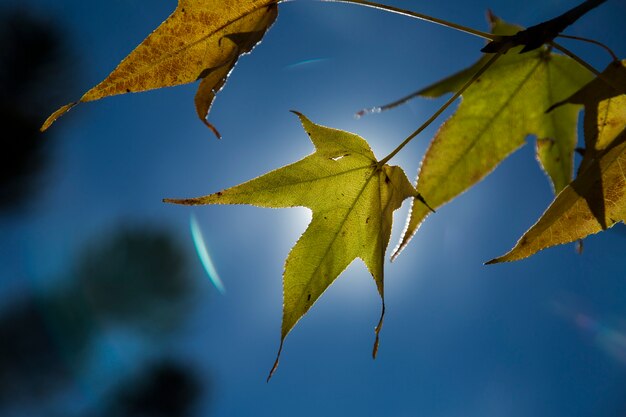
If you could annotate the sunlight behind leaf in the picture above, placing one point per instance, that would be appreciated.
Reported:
(497, 113)
(352, 199)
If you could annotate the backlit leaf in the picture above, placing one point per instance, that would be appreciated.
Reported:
(201, 40)
(596, 200)
(497, 113)
(352, 199)
(570, 217)
(604, 99)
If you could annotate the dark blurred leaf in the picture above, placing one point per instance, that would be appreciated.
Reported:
(537, 35)
(137, 277)
(41, 341)
(32, 67)
(167, 389)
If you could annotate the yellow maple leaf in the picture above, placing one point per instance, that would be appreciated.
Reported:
(200, 40)
(596, 200)
(352, 197)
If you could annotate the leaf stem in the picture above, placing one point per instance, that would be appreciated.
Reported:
(575, 57)
(388, 106)
(404, 12)
(585, 64)
(447, 104)
(600, 44)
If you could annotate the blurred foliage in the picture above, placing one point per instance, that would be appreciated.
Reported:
(33, 334)
(34, 67)
(135, 278)
(166, 389)
(132, 278)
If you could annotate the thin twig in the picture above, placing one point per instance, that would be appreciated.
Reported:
(575, 57)
(432, 118)
(585, 64)
(416, 15)
(388, 106)
(600, 44)
(544, 32)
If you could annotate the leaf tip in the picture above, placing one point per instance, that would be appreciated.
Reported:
(410, 229)
(369, 110)
(212, 128)
(510, 256)
(492, 18)
(183, 201)
(305, 121)
(377, 332)
(275, 366)
(404, 241)
(423, 201)
(54, 116)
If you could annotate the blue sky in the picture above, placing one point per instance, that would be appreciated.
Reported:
(543, 337)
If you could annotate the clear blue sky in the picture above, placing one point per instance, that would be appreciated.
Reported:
(541, 337)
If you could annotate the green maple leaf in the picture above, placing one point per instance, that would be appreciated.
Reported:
(497, 113)
(596, 200)
(352, 197)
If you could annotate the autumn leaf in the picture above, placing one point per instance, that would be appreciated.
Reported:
(497, 113)
(201, 40)
(604, 99)
(570, 216)
(352, 198)
(596, 200)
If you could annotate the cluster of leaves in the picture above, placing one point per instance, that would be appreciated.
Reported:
(519, 87)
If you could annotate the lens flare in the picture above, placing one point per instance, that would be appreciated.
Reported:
(606, 337)
(203, 254)
(306, 62)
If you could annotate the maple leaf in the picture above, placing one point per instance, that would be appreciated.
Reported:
(544, 32)
(570, 216)
(604, 100)
(352, 198)
(200, 40)
(497, 113)
(596, 200)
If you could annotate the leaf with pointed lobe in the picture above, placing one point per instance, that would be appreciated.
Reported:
(596, 200)
(542, 33)
(200, 40)
(352, 198)
(571, 216)
(496, 114)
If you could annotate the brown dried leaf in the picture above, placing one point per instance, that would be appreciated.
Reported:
(201, 40)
